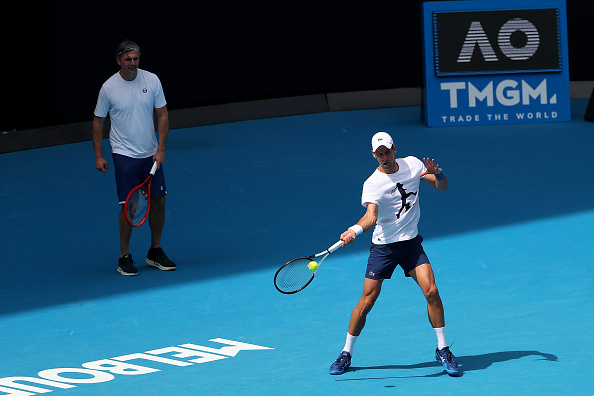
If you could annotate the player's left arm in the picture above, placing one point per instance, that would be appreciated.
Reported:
(429, 176)
(163, 128)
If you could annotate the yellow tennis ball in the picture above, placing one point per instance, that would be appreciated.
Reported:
(312, 265)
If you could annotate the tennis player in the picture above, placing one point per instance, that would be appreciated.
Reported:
(130, 97)
(391, 196)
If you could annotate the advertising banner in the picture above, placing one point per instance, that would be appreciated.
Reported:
(495, 62)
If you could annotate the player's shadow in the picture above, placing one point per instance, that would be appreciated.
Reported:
(466, 363)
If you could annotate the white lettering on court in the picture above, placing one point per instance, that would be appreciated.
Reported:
(108, 369)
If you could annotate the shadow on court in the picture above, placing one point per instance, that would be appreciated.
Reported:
(285, 187)
(467, 363)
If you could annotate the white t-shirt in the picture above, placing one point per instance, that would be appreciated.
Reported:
(397, 198)
(130, 105)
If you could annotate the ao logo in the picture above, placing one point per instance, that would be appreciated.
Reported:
(476, 36)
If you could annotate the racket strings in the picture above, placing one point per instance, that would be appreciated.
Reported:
(294, 276)
(137, 206)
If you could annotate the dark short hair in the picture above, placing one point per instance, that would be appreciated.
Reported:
(126, 46)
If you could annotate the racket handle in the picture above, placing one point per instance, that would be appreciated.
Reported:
(154, 168)
(334, 247)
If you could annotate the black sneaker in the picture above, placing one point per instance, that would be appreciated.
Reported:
(157, 258)
(126, 266)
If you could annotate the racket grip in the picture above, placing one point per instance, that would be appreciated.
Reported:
(334, 247)
(154, 168)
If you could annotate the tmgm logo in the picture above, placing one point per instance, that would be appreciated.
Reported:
(506, 93)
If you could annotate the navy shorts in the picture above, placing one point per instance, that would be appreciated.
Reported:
(383, 259)
(130, 172)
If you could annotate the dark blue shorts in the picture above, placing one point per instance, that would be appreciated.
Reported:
(130, 172)
(383, 259)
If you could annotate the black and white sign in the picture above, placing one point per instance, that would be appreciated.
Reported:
(478, 42)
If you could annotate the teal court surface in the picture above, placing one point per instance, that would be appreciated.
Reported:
(511, 243)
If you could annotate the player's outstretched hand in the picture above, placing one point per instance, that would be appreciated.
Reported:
(432, 167)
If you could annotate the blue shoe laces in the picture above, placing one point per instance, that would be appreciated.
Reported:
(447, 355)
(342, 359)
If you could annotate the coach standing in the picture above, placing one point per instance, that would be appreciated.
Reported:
(130, 97)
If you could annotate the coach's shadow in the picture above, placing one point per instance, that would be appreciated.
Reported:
(467, 363)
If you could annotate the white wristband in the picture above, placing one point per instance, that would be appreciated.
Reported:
(357, 228)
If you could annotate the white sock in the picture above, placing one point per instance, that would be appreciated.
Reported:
(350, 343)
(441, 337)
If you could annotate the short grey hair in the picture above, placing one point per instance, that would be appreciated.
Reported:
(126, 46)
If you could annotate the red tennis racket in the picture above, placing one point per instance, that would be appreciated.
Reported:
(138, 201)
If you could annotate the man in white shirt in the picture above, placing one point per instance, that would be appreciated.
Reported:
(130, 97)
(391, 196)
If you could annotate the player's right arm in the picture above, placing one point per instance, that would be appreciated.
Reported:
(367, 222)
(100, 162)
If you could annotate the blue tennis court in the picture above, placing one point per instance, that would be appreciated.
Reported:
(510, 243)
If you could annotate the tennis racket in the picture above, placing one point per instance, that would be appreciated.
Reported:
(138, 201)
(295, 275)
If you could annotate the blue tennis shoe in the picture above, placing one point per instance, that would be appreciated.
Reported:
(341, 364)
(448, 360)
